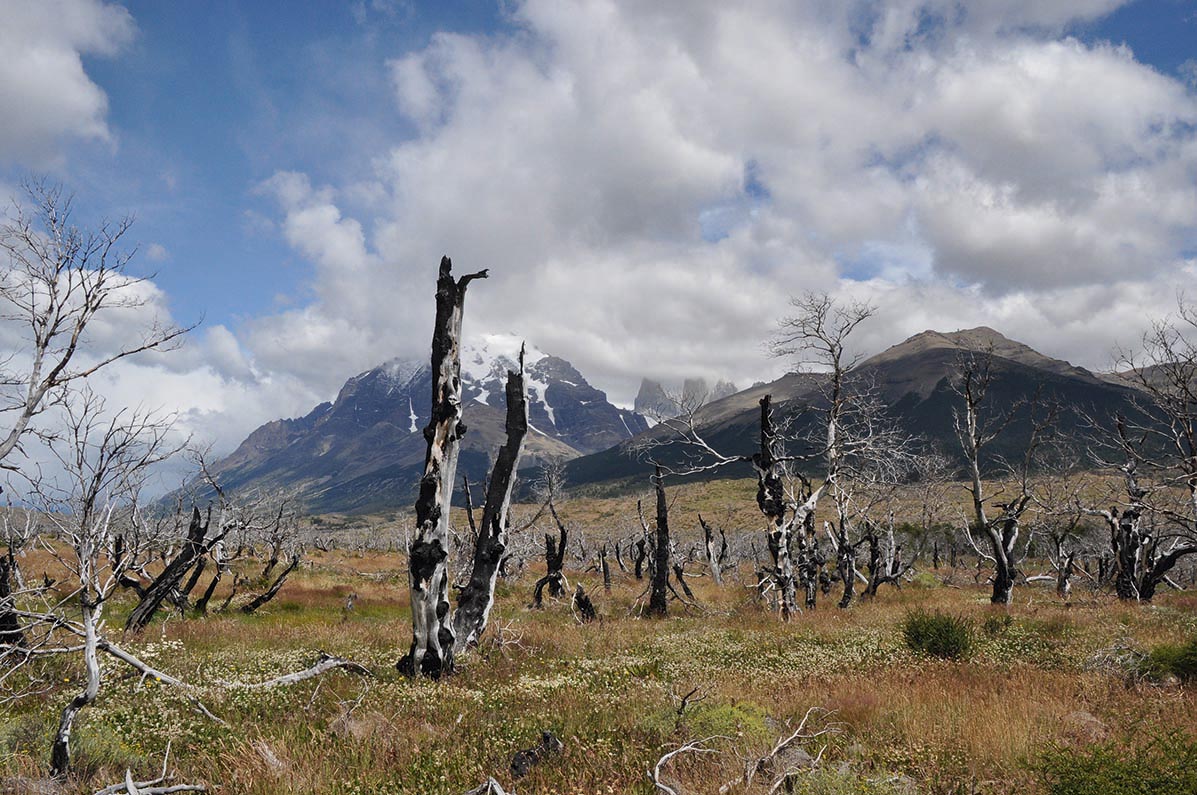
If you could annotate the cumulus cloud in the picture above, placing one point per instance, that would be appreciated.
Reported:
(650, 182)
(45, 93)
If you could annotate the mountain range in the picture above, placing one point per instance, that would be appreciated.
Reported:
(365, 450)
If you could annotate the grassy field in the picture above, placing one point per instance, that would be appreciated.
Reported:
(902, 721)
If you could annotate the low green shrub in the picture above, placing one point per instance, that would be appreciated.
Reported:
(938, 634)
(1161, 765)
(1172, 659)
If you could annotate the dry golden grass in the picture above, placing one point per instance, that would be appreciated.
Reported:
(610, 689)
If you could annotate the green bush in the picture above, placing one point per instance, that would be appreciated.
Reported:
(1172, 659)
(1162, 765)
(938, 634)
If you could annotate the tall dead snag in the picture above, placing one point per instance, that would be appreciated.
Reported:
(657, 601)
(975, 432)
(432, 640)
(474, 604)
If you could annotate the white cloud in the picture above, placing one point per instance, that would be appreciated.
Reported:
(649, 182)
(156, 252)
(45, 93)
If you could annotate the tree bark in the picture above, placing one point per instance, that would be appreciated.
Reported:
(658, 598)
(273, 590)
(10, 626)
(715, 553)
(554, 558)
(432, 642)
(477, 598)
(60, 749)
(172, 575)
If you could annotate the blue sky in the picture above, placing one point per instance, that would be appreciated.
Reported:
(212, 98)
(648, 182)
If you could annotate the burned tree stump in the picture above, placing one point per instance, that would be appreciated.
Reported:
(641, 547)
(523, 761)
(554, 558)
(432, 643)
(585, 607)
(605, 567)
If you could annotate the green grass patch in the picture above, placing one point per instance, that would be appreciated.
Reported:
(938, 634)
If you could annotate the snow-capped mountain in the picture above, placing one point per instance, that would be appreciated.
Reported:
(365, 450)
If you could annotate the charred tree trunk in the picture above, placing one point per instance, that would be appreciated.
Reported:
(605, 566)
(638, 560)
(477, 598)
(273, 590)
(846, 568)
(679, 574)
(432, 642)
(554, 558)
(202, 605)
(10, 626)
(196, 572)
(1003, 536)
(658, 599)
(619, 558)
(585, 607)
(172, 575)
(771, 500)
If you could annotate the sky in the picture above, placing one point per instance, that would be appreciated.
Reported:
(649, 183)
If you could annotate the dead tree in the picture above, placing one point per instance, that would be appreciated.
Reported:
(55, 280)
(605, 568)
(432, 643)
(641, 554)
(785, 498)
(11, 634)
(583, 605)
(658, 601)
(976, 431)
(194, 547)
(253, 604)
(1157, 527)
(860, 445)
(477, 598)
(554, 558)
(105, 459)
(716, 553)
